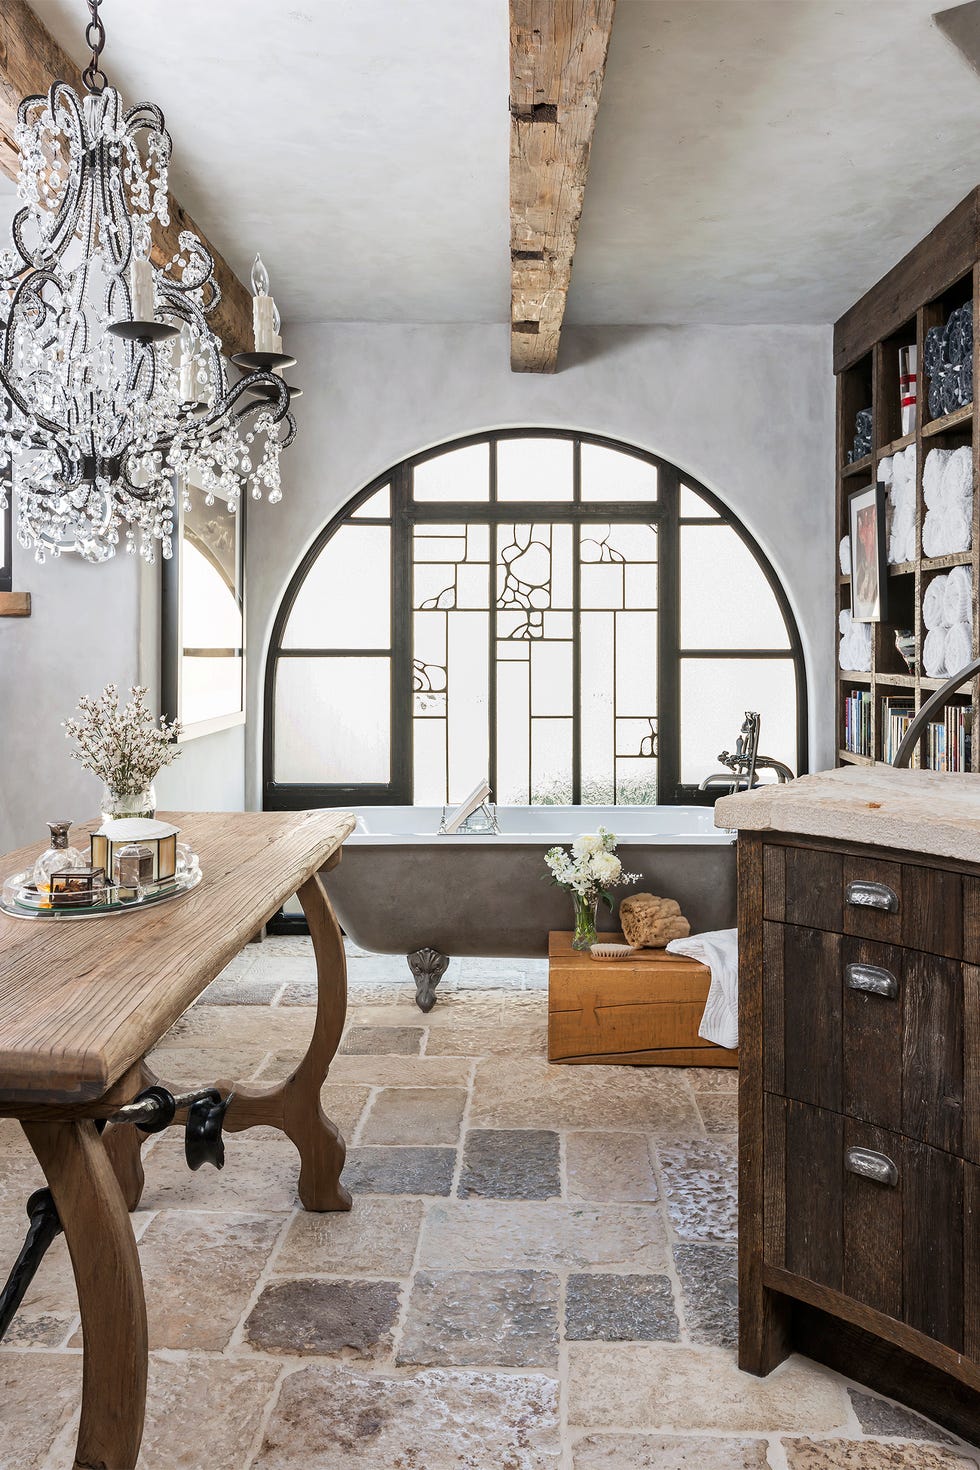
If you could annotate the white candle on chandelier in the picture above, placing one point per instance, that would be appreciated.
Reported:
(264, 314)
(141, 289)
(188, 392)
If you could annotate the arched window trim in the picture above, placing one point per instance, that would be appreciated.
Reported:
(404, 515)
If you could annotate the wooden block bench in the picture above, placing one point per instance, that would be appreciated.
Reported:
(645, 1010)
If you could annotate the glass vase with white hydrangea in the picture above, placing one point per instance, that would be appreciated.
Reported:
(587, 872)
(125, 747)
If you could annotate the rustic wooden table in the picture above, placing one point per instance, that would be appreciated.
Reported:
(80, 1006)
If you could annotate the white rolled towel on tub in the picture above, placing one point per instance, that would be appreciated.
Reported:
(934, 653)
(959, 647)
(934, 602)
(719, 951)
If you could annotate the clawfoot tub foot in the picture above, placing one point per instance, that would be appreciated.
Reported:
(428, 967)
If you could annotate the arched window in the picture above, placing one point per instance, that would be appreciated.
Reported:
(573, 617)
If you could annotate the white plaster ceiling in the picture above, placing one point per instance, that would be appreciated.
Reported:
(754, 160)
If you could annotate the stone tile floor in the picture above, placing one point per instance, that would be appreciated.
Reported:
(538, 1272)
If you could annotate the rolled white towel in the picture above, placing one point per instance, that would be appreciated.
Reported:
(910, 547)
(902, 492)
(957, 527)
(855, 644)
(901, 536)
(958, 597)
(900, 474)
(934, 533)
(844, 552)
(959, 647)
(957, 480)
(933, 602)
(844, 621)
(934, 653)
(932, 477)
(885, 470)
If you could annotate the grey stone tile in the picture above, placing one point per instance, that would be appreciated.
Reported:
(232, 991)
(422, 1115)
(299, 993)
(332, 1417)
(509, 1092)
(609, 1166)
(382, 1040)
(709, 1284)
(376, 1238)
(701, 1184)
(501, 1163)
(376, 1071)
(354, 1318)
(719, 1110)
(488, 1235)
(620, 1309)
(674, 1452)
(870, 1454)
(881, 1416)
(529, 1039)
(507, 1319)
(400, 1170)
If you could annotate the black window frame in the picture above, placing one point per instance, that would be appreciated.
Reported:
(405, 514)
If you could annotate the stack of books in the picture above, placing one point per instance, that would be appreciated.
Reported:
(897, 713)
(857, 722)
(949, 739)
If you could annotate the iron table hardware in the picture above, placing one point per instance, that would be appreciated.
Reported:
(867, 895)
(871, 1165)
(873, 980)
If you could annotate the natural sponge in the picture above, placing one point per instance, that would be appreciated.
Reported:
(652, 922)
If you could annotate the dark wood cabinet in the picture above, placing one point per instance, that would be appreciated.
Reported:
(860, 1134)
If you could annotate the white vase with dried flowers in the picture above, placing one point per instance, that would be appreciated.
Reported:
(125, 747)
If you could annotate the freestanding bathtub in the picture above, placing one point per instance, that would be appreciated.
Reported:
(403, 889)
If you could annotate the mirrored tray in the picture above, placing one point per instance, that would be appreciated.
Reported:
(21, 900)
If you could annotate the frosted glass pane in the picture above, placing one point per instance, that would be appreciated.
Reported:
(609, 475)
(695, 505)
(726, 601)
(636, 664)
(345, 601)
(430, 762)
(459, 474)
(209, 687)
(468, 709)
(551, 762)
(598, 787)
(534, 469)
(551, 678)
(513, 734)
(715, 693)
(333, 720)
(377, 505)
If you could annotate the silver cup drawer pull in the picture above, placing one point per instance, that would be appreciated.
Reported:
(873, 980)
(871, 1165)
(864, 895)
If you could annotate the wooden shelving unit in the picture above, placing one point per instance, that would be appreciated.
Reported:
(941, 273)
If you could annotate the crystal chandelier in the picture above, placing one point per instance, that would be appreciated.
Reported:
(113, 387)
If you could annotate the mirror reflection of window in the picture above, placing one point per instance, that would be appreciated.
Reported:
(211, 655)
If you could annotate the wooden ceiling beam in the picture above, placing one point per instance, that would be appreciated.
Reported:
(558, 54)
(30, 60)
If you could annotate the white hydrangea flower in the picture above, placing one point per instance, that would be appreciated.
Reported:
(588, 844)
(606, 868)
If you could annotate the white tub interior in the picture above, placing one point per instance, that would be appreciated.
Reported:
(545, 825)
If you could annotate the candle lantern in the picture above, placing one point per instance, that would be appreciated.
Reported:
(77, 888)
(158, 838)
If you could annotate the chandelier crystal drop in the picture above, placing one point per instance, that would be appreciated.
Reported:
(113, 386)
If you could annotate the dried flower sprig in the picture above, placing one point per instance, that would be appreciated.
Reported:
(124, 747)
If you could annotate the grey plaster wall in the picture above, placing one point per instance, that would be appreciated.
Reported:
(747, 410)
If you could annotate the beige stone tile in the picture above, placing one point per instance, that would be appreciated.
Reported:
(399, 1011)
(484, 1234)
(377, 1238)
(332, 1417)
(529, 1040)
(259, 1174)
(344, 1105)
(401, 1071)
(503, 1319)
(524, 1005)
(609, 1166)
(193, 1066)
(12, 1143)
(263, 1027)
(38, 1392)
(713, 1079)
(204, 1412)
(652, 1452)
(512, 1093)
(719, 1110)
(199, 1271)
(871, 1454)
(654, 1386)
(465, 1008)
(429, 1115)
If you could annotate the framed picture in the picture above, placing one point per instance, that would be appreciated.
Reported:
(869, 567)
(203, 618)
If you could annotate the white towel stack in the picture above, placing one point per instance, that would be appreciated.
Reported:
(844, 552)
(899, 474)
(947, 488)
(947, 612)
(855, 644)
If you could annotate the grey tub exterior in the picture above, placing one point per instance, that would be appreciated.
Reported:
(428, 897)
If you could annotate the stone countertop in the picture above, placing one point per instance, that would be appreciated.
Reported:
(919, 811)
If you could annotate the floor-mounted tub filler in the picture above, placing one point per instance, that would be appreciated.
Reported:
(405, 888)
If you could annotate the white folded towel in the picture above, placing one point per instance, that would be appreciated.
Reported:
(854, 653)
(958, 527)
(933, 602)
(957, 481)
(957, 597)
(934, 653)
(932, 477)
(959, 647)
(901, 539)
(719, 951)
(885, 470)
(844, 552)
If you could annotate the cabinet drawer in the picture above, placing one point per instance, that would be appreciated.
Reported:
(884, 1219)
(868, 897)
(888, 1035)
